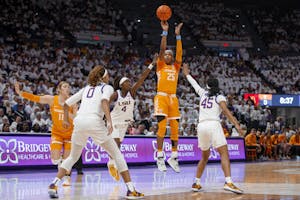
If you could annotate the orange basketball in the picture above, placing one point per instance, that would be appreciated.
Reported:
(163, 12)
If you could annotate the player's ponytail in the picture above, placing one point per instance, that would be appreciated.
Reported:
(213, 87)
(96, 75)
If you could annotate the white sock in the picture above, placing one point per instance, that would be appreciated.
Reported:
(130, 186)
(111, 162)
(160, 154)
(56, 181)
(228, 179)
(174, 154)
(197, 181)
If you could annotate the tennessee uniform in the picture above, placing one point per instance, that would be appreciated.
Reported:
(60, 137)
(166, 102)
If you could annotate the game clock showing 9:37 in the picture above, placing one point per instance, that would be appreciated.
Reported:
(274, 100)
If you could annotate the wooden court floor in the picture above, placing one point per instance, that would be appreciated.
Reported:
(260, 180)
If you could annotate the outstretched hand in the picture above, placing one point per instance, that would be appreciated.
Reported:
(154, 59)
(178, 28)
(185, 69)
(164, 25)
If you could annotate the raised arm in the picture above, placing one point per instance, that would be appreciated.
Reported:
(193, 82)
(163, 43)
(231, 118)
(178, 58)
(143, 76)
(44, 99)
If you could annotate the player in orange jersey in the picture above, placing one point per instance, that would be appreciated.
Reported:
(166, 107)
(60, 136)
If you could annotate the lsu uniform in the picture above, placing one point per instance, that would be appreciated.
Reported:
(165, 102)
(209, 130)
(59, 135)
(122, 115)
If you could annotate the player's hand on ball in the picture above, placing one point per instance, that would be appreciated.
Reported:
(164, 25)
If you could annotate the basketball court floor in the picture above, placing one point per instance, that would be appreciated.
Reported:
(262, 180)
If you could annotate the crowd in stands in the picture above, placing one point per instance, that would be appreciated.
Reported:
(279, 28)
(62, 20)
(22, 20)
(212, 21)
(280, 69)
(41, 68)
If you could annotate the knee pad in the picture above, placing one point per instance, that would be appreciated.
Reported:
(174, 126)
(56, 162)
(162, 124)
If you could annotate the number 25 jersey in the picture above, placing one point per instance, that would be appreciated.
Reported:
(167, 77)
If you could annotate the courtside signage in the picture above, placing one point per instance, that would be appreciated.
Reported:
(35, 150)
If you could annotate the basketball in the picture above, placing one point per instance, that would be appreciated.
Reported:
(163, 12)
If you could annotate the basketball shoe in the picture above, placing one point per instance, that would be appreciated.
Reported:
(232, 188)
(52, 191)
(173, 162)
(196, 187)
(67, 180)
(134, 195)
(161, 164)
(113, 171)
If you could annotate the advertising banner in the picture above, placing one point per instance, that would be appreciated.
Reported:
(20, 150)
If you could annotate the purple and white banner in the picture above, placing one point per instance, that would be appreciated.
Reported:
(17, 150)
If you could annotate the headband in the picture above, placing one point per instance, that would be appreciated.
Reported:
(123, 80)
(105, 73)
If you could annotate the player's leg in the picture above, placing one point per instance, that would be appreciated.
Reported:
(173, 160)
(200, 168)
(78, 142)
(55, 149)
(204, 142)
(173, 117)
(118, 135)
(66, 153)
(160, 111)
(112, 149)
(219, 142)
(65, 167)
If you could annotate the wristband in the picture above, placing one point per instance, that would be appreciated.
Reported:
(178, 37)
(150, 66)
(164, 33)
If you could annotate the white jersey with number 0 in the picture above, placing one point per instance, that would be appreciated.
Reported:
(90, 114)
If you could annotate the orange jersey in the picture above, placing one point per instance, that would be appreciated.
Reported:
(281, 138)
(57, 114)
(274, 139)
(167, 77)
(261, 139)
(250, 140)
(295, 140)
